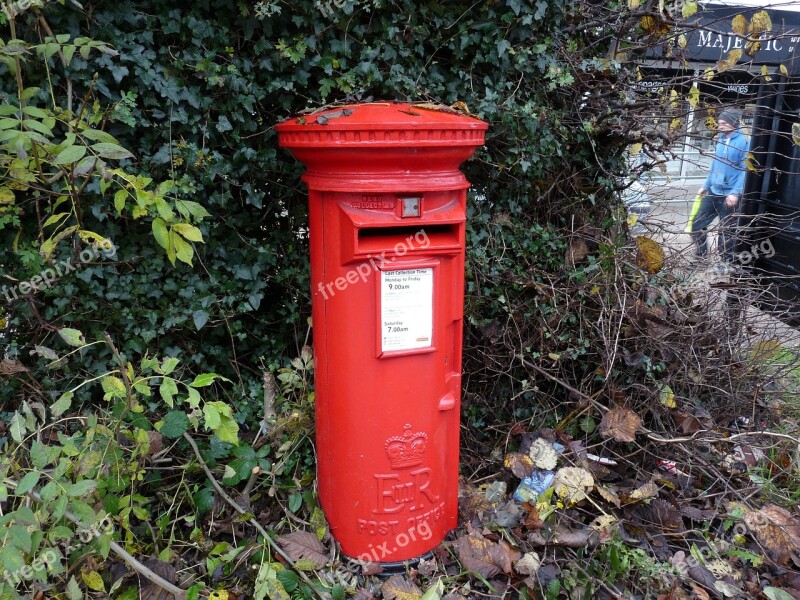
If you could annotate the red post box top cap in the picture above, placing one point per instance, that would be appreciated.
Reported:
(382, 124)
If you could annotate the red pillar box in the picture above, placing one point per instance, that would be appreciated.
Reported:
(387, 207)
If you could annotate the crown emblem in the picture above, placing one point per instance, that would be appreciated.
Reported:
(406, 450)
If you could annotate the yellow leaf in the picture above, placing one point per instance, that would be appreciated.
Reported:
(219, 595)
(633, 4)
(571, 484)
(6, 195)
(675, 125)
(633, 218)
(682, 41)
(760, 23)
(729, 61)
(796, 133)
(654, 25)
(649, 255)
(708, 74)
(689, 8)
(783, 70)
(634, 149)
(93, 581)
(752, 47)
(667, 397)
(694, 96)
(739, 25)
(750, 162)
(765, 73)
(673, 99)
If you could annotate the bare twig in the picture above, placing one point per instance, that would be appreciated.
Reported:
(233, 504)
(121, 552)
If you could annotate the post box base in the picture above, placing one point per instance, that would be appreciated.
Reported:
(395, 568)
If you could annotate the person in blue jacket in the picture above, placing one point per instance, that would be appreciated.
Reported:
(722, 190)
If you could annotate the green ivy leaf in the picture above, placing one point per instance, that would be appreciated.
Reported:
(93, 581)
(27, 483)
(69, 155)
(169, 364)
(190, 232)
(168, 389)
(81, 488)
(73, 337)
(206, 379)
(17, 427)
(183, 250)
(11, 559)
(175, 424)
(161, 233)
(112, 151)
(113, 387)
(73, 590)
(120, 197)
(219, 419)
(60, 406)
(200, 318)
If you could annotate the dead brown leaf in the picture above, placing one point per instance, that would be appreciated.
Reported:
(700, 593)
(566, 538)
(10, 367)
(521, 465)
(397, 587)
(609, 494)
(304, 545)
(695, 514)
(533, 522)
(578, 250)
(483, 556)
(643, 492)
(689, 424)
(776, 530)
(666, 516)
(151, 591)
(620, 424)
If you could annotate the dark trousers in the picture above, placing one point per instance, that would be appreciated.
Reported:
(711, 207)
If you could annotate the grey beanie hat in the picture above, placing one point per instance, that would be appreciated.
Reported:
(731, 115)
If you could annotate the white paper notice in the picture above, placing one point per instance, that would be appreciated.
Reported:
(406, 309)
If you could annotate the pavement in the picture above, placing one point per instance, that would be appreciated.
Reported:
(671, 202)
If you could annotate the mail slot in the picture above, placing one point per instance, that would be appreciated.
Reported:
(387, 213)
